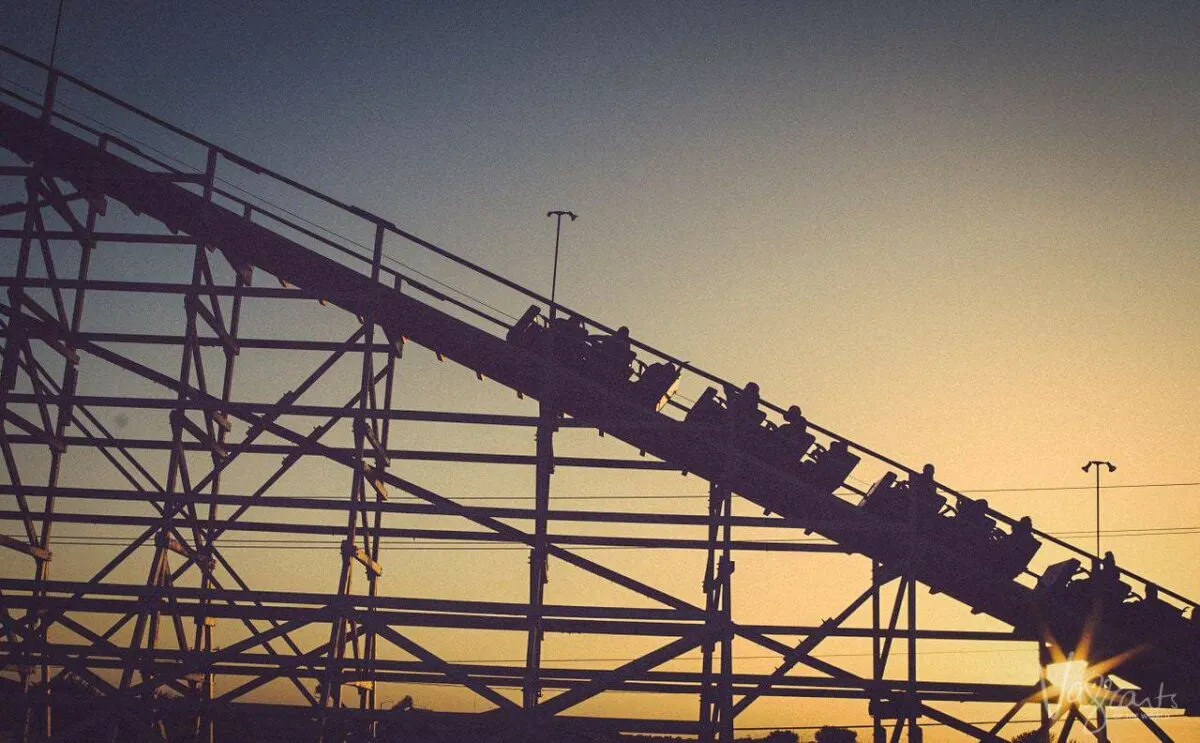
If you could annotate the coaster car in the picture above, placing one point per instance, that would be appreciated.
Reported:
(609, 359)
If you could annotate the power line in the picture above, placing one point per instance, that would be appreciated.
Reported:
(420, 545)
(1082, 487)
(696, 496)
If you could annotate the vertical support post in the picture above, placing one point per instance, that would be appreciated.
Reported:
(378, 432)
(914, 730)
(879, 733)
(38, 713)
(538, 567)
(716, 690)
(716, 694)
(15, 330)
(159, 575)
(65, 414)
(725, 572)
(13, 342)
(382, 434)
(343, 630)
(202, 644)
(1044, 682)
(707, 717)
(178, 478)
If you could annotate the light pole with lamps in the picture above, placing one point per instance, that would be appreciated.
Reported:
(1111, 468)
(558, 214)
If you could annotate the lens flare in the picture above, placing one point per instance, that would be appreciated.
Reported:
(1070, 676)
(1069, 681)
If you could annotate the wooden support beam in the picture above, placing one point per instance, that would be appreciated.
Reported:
(221, 419)
(368, 432)
(32, 550)
(45, 327)
(36, 433)
(376, 483)
(349, 549)
(179, 418)
(213, 321)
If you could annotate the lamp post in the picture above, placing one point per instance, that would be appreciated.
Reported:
(1111, 468)
(558, 214)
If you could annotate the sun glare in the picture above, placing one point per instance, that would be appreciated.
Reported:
(1070, 680)
(1073, 680)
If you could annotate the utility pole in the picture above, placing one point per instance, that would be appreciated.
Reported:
(558, 214)
(1111, 468)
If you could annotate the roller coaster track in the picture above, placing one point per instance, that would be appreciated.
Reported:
(100, 167)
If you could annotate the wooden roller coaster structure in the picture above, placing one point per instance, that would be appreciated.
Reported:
(127, 433)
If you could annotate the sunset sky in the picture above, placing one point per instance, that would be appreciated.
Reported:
(960, 235)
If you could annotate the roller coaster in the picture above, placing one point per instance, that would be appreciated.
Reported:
(70, 177)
